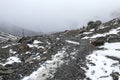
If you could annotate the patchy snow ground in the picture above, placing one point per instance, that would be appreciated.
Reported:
(99, 66)
(48, 68)
(36, 46)
(112, 31)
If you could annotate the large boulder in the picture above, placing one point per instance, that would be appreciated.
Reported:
(98, 23)
(98, 41)
(93, 24)
(90, 25)
(115, 75)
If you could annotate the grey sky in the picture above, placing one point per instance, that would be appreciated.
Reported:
(56, 15)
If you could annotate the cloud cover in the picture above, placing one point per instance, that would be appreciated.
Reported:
(56, 15)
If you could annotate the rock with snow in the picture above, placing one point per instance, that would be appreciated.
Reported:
(98, 41)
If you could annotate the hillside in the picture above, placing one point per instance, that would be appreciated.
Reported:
(88, 53)
(17, 31)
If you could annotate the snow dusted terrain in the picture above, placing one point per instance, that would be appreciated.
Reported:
(49, 66)
(90, 53)
(100, 66)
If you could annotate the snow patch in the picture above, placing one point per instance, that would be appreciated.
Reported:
(92, 30)
(58, 38)
(73, 42)
(48, 68)
(6, 46)
(36, 42)
(86, 37)
(97, 35)
(11, 60)
(87, 32)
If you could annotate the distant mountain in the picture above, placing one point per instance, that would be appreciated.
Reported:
(17, 31)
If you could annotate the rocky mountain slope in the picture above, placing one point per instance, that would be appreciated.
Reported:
(88, 53)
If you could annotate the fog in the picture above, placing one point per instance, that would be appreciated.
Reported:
(56, 15)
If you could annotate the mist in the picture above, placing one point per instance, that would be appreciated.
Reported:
(56, 15)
